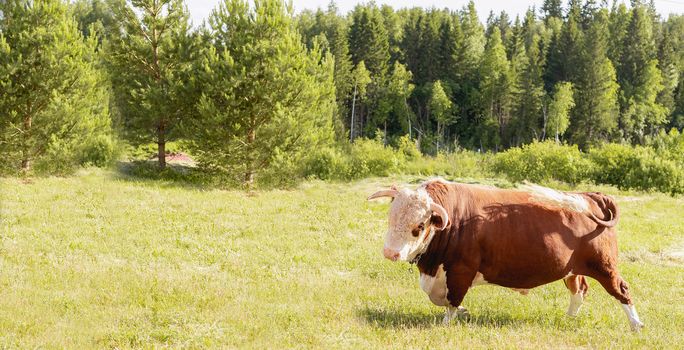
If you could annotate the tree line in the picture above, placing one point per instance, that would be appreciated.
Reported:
(256, 86)
(584, 73)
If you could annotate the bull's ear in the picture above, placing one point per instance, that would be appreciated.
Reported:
(384, 193)
(439, 218)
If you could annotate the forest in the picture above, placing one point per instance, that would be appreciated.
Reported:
(256, 88)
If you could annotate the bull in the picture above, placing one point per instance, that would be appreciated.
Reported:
(462, 235)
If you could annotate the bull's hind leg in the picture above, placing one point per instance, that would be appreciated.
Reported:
(578, 287)
(618, 288)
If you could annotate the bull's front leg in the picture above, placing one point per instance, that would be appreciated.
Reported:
(459, 280)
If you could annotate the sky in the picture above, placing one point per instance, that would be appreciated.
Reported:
(200, 9)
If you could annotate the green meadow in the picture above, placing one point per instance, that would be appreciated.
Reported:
(103, 260)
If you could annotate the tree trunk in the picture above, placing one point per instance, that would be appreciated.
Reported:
(249, 174)
(351, 125)
(545, 121)
(26, 161)
(161, 146)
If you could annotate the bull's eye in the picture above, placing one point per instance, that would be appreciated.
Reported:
(416, 231)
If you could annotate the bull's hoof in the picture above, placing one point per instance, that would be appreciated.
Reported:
(454, 313)
(636, 326)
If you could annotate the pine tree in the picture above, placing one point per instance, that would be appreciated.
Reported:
(93, 13)
(667, 63)
(450, 40)
(368, 40)
(339, 47)
(552, 58)
(52, 96)
(619, 20)
(393, 24)
(149, 56)
(564, 60)
(468, 93)
(266, 98)
(496, 88)
(595, 115)
(473, 39)
(639, 78)
(528, 95)
(552, 8)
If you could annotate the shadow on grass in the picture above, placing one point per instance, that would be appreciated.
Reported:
(175, 175)
(384, 318)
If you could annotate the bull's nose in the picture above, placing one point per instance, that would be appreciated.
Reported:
(390, 254)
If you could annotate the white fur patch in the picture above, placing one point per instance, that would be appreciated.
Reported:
(479, 280)
(408, 209)
(633, 317)
(546, 195)
(575, 303)
(435, 287)
(434, 179)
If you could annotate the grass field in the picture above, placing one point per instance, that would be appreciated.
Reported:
(102, 260)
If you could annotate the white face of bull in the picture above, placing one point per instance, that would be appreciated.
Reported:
(410, 222)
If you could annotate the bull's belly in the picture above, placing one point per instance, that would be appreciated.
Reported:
(525, 279)
(436, 286)
(520, 268)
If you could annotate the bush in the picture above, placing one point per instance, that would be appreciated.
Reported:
(372, 158)
(363, 158)
(408, 148)
(327, 163)
(456, 164)
(542, 162)
(59, 159)
(669, 145)
(99, 151)
(282, 172)
(640, 168)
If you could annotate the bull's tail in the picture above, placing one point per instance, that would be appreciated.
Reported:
(607, 204)
(577, 202)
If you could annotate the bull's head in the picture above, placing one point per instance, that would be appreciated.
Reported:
(413, 219)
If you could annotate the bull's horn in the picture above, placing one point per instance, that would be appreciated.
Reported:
(384, 193)
(441, 212)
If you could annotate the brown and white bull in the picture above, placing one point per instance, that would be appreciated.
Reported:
(462, 235)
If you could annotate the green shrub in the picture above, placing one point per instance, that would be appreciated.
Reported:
(640, 168)
(59, 159)
(282, 172)
(542, 162)
(408, 148)
(327, 163)
(363, 158)
(456, 164)
(99, 151)
(669, 145)
(372, 158)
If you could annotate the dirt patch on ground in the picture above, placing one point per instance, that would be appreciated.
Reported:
(630, 199)
(178, 158)
(667, 257)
